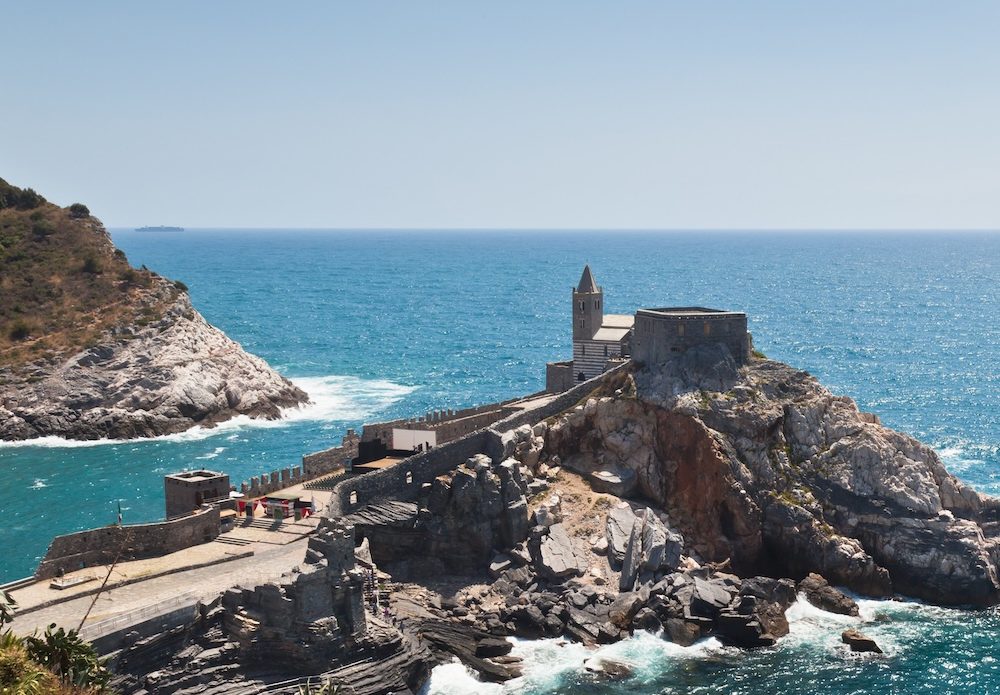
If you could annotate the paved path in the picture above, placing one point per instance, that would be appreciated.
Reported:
(268, 562)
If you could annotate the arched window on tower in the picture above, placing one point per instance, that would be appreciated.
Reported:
(581, 377)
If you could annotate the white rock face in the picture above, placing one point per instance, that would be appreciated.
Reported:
(168, 376)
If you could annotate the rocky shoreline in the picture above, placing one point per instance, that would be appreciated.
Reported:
(173, 373)
(698, 499)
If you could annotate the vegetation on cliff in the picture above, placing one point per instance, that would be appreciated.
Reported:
(55, 663)
(63, 282)
(92, 348)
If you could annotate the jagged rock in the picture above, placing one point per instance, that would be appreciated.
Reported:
(819, 593)
(617, 481)
(500, 564)
(859, 642)
(761, 464)
(550, 512)
(173, 374)
(610, 668)
(619, 525)
(710, 596)
(477, 510)
(557, 557)
(683, 632)
(632, 559)
(625, 607)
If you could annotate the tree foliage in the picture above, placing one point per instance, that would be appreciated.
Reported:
(79, 210)
(67, 656)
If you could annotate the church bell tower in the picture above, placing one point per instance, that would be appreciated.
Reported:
(588, 307)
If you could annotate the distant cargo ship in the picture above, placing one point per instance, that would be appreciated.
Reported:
(159, 229)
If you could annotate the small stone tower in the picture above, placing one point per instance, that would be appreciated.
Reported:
(588, 307)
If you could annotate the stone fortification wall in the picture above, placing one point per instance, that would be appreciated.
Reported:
(558, 376)
(448, 424)
(266, 483)
(658, 336)
(315, 465)
(102, 545)
(331, 460)
(403, 481)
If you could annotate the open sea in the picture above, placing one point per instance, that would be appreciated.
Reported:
(383, 324)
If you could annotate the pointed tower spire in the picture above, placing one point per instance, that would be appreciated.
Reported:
(588, 307)
(587, 283)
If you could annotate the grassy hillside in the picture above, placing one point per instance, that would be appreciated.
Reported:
(62, 282)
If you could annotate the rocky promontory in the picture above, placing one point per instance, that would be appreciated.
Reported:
(93, 348)
(688, 499)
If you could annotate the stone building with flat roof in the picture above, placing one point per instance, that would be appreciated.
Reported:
(185, 492)
(659, 334)
(651, 336)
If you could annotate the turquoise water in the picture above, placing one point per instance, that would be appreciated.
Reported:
(386, 324)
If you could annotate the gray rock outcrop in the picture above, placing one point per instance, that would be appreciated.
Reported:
(557, 558)
(174, 373)
(763, 467)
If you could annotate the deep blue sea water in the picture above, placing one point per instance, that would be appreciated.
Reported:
(385, 324)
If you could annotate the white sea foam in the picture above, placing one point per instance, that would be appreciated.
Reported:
(547, 663)
(39, 484)
(456, 679)
(331, 399)
(212, 454)
(959, 455)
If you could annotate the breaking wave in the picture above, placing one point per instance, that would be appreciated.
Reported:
(331, 399)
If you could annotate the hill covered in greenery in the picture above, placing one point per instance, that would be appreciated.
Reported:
(62, 280)
(92, 348)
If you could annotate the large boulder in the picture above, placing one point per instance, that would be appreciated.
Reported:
(859, 642)
(557, 555)
(819, 593)
(618, 527)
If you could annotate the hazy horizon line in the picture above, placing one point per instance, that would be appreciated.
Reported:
(580, 229)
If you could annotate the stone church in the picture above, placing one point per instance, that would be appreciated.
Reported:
(599, 340)
(651, 336)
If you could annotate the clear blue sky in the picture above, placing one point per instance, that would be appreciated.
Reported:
(602, 114)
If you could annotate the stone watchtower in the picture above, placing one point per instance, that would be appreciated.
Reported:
(588, 307)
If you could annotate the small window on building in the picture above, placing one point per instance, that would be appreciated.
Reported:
(583, 305)
(581, 377)
(680, 329)
(583, 349)
(409, 477)
(605, 350)
(708, 328)
(597, 304)
(354, 497)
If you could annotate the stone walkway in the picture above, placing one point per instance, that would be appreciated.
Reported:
(259, 554)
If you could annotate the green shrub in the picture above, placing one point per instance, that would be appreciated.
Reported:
(91, 266)
(67, 656)
(19, 331)
(78, 210)
(42, 229)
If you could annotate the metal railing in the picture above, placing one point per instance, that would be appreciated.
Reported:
(105, 627)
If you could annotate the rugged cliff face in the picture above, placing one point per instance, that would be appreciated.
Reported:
(91, 347)
(765, 467)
